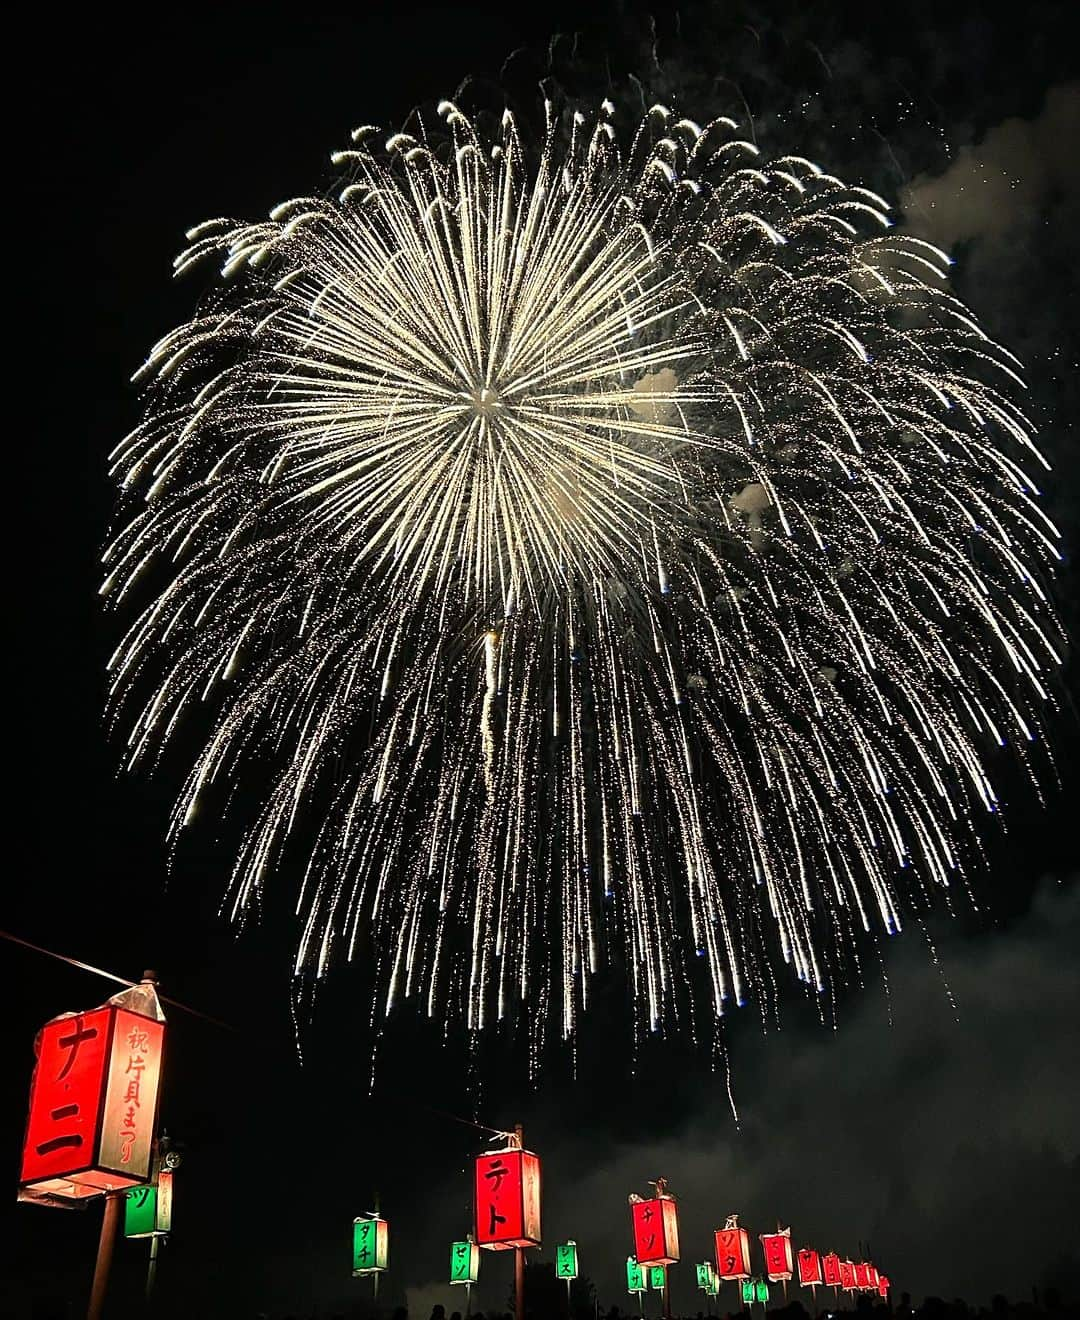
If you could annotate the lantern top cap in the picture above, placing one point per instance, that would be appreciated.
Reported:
(141, 999)
(732, 1221)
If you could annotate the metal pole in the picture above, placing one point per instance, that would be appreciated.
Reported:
(109, 1220)
(151, 1273)
(667, 1294)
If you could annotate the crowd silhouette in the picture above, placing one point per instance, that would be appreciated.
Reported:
(1047, 1305)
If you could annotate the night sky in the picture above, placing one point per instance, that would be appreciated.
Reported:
(936, 1125)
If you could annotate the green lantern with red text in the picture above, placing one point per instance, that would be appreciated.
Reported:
(148, 1209)
(371, 1245)
(464, 1262)
(635, 1276)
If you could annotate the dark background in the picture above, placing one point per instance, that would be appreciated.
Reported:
(937, 1122)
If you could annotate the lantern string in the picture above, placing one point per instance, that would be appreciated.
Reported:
(111, 976)
(175, 1003)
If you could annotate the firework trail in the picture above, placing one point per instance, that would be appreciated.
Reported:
(619, 548)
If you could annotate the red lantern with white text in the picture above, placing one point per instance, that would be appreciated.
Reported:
(93, 1098)
(830, 1269)
(656, 1230)
(777, 1249)
(732, 1250)
(847, 1276)
(809, 1267)
(508, 1199)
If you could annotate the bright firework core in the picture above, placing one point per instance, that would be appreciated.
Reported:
(622, 549)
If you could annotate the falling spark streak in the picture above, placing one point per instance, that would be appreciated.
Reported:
(616, 550)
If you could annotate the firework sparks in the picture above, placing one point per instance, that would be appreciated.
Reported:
(617, 546)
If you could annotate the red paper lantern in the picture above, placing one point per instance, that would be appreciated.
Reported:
(93, 1098)
(809, 1267)
(872, 1276)
(777, 1249)
(862, 1275)
(847, 1275)
(830, 1269)
(883, 1285)
(507, 1199)
(733, 1253)
(656, 1231)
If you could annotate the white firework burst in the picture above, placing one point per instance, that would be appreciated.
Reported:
(615, 550)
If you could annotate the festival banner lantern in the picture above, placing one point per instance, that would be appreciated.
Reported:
(93, 1098)
(464, 1262)
(761, 1291)
(507, 1199)
(635, 1276)
(657, 1277)
(872, 1277)
(809, 1268)
(148, 1209)
(656, 1228)
(732, 1250)
(566, 1265)
(862, 1275)
(704, 1273)
(713, 1287)
(777, 1249)
(883, 1285)
(830, 1269)
(748, 1292)
(371, 1245)
(847, 1276)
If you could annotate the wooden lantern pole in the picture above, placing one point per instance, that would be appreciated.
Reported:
(519, 1252)
(109, 1221)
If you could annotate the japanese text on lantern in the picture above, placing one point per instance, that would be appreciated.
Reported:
(371, 1244)
(830, 1266)
(847, 1275)
(464, 1262)
(93, 1103)
(777, 1249)
(656, 1231)
(508, 1199)
(809, 1267)
(733, 1253)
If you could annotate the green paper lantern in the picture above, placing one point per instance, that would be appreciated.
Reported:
(761, 1291)
(371, 1244)
(566, 1260)
(704, 1276)
(148, 1209)
(657, 1277)
(464, 1262)
(635, 1276)
(748, 1292)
